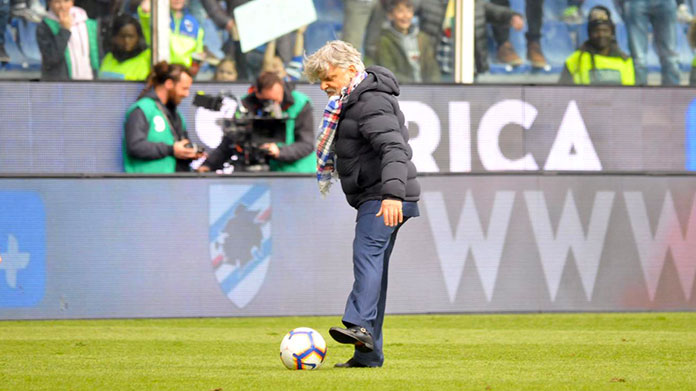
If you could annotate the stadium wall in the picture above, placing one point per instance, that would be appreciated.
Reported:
(103, 247)
(77, 127)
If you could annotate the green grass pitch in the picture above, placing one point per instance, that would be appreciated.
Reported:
(627, 351)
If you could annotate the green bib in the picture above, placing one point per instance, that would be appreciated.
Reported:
(159, 132)
(306, 164)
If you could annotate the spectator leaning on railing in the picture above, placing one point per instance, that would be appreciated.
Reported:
(155, 139)
(68, 42)
(599, 60)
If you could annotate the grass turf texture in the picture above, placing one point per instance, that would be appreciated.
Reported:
(636, 351)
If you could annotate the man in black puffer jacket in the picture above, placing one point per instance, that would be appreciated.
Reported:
(364, 134)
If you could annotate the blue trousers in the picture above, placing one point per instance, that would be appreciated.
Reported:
(372, 248)
(662, 15)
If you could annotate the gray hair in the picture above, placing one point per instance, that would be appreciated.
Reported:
(335, 53)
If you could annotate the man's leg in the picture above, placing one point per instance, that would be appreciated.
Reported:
(501, 34)
(4, 19)
(372, 240)
(635, 13)
(381, 308)
(535, 14)
(664, 21)
(356, 15)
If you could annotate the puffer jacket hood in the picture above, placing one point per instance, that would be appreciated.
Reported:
(378, 79)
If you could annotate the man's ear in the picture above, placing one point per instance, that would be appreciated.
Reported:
(169, 84)
(352, 69)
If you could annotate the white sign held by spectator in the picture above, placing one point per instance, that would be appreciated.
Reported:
(260, 21)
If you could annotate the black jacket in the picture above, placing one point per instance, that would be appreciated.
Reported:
(52, 47)
(373, 158)
(137, 129)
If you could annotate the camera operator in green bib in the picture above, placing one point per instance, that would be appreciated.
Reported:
(156, 140)
(296, 153)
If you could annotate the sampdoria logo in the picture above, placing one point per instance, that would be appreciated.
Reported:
(22, 249)
(240, 239)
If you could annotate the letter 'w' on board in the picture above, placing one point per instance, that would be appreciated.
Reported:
(652, 247)
(453, 247)
(570, 235)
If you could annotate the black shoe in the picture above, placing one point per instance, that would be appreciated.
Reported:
(4, 57)
(356, 335)
(350, 364)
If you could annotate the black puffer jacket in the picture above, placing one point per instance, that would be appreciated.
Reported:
(373, 155)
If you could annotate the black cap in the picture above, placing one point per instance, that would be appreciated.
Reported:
(599, 15)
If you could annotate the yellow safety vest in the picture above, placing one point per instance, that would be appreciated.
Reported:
(589, 68)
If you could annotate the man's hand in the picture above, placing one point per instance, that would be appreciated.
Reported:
(183, 152)
(391, 210)
(517, 22)
(203, 169)
(272, 149)
(65, 19)
(231, 27)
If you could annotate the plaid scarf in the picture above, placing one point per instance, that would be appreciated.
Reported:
(326, 155)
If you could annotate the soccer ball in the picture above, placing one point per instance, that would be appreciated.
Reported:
(302, 348)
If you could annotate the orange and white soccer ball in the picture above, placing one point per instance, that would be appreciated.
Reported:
(303, 348)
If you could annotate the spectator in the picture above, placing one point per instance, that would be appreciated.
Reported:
(683, 13)
(534, 10)
(404, 49)
(4, 19)
(67, 40)
(129, 58)
(226, 70)
(599, 60)
(691, 37)
(273, 63)
(487, 12)
(572, 14)
(639, 15)
(156, 140)
(296, 153)
(249, 64)
(186, 39)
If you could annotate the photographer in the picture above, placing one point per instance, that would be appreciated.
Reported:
(156, 140)
(270, 97)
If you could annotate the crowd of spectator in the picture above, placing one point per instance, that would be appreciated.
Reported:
(100, 39)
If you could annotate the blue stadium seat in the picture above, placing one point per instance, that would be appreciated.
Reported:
(556, 42)
(319, 32)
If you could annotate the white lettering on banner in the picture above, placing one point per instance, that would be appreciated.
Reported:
(459, 137)
(652, 250)
(572, 136)
(425, 144)
(453, 247)
(554, 249)
(511, 111)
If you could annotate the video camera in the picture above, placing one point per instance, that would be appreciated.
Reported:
(246, 131)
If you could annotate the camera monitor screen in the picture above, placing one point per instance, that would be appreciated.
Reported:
(268, 130)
